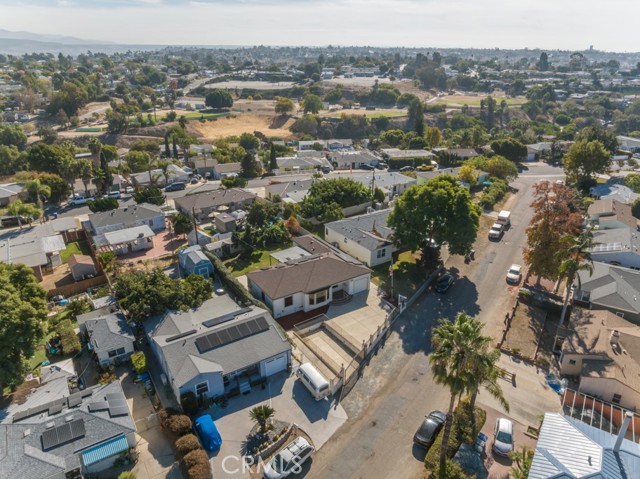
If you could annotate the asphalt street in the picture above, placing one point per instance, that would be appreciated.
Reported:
(387, 405)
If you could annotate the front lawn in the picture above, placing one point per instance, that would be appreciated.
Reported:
(243, 263)
(77, 247)
(407, 275)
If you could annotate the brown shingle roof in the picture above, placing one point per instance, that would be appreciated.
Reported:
(79, 259)
(305, 275)
(213, 198)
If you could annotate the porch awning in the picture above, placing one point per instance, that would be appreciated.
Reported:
(105, 450)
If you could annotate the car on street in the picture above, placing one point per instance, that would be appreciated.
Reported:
(289, 460)
(429, 429)
(503, 437)
(514, 275)
(444, 283)
(129, 190)
(177, 186)
(407, 168)
(367, 167)
(78, 200)
(496, 231)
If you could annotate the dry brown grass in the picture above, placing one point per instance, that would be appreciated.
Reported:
(240, 123)
(526, 327)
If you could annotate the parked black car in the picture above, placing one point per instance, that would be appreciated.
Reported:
(444, 283)
(429, 429)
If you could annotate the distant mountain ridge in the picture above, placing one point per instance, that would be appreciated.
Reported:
(42, 38)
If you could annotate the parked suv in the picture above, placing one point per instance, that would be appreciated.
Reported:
(289, 460)
(496, 231)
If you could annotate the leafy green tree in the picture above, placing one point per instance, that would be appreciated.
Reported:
(137, 161)
(23, 211)
(510, 148)
(12, 135)
(378, 195)
(233, 181)
(43, 157)
(438, 212)
(47, 134)
(261, 415)
(182, 224)
(219, 99)
(9, 160)
(249, 141)
(23, 311)
(455, 346)
(325, 195)
(418, 125)
(393, 137)
(633, 182)
(151, 195)
(497, 166)
(312, 103)
(284, 105)
(262, 213)
(36, 191)
(433, 137)
(543, 63)
(273, 161)
(596, 132)
(584, 159)
(249, 166)
(556, 212)
(70, 98)
(467, 174)
(103, 204)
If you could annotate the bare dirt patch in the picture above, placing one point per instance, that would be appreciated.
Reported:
(237, 124)
(526, 328)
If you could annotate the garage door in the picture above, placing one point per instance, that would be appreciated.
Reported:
(361, 284)
(275, 365)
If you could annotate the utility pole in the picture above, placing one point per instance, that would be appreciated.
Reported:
(195, 225)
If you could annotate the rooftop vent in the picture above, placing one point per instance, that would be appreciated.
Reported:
(615, 337)
(68, 418)
(49, 425)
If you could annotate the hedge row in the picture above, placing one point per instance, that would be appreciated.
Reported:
(194, 459)
(494, 193)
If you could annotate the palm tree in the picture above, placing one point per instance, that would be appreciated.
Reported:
(162, 165)
(485, 373)
(576, 257)
(95, 147)
(85, 171)
(36, 191)
(261, 415)
(455, 347)
(522, 459)
(69, 171)
(23, 210)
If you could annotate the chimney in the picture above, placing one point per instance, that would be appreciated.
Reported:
(615, 338)
(623, 430)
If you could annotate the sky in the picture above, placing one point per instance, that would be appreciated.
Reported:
(548, 24)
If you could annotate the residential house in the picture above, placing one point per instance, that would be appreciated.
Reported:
(340, 144)
(73, 436)
(295, 163)
(128, 217)
(205, 167)
(40, 253)
(392, 184)
(308, 283)
(282, 190)
(346, 159)
(203, 204)
(193, 261)
(617, 246)
(603, 350)
(9, 192)
(222, 246)
(125, 241)
(568, 448)
(157, 177)
(223, 170)
(536, 151)
(611, 214)
(365, 237)
(224, 223)
(461, 153)
(306, 145)
(628, 143)
(611, 288)
(218, 347)
(614, 191)
(202, 149)
(82, 266)
(108, 334)
(417, 157)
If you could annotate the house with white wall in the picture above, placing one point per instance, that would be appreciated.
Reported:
(365, 237)
(619, 247)
(308, 283)
(108, 334)
(611, 214)
(128, 217)
(218, 347)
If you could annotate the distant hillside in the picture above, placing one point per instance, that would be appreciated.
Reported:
(55, 39)
(20, 46)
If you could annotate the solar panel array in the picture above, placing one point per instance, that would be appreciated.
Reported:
(230, 334)
(54, 407)
(181, 335)
(62, 434)
(599, 248)
(210, 323)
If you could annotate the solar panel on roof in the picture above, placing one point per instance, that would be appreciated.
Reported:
(181, 335)
(118, 411)
(55, 409)
(74, 400)
(62, 434)
(225, 318)
(231, 333)
(98, 406)
(244, 329)
(114, 397)
(234, 333)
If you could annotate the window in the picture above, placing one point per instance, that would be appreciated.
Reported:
(382, 252)
(616, 398)
(319, 297)
(288, 301)
(120, 351)
(113, 353)
(150, 222)
(572, 361)
(202, 388)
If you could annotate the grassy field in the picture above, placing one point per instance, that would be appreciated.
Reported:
(242, 264)
(77, 247)
(475, 101)
(199, 115)
(407, 275)
(367, 113)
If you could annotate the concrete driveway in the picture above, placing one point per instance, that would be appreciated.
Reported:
(292, 402)
(156, 459)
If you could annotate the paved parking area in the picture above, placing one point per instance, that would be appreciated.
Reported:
(156, 459)
(292, 402)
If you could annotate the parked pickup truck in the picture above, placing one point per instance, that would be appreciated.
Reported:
(496, 231)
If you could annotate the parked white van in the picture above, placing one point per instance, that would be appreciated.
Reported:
(313, 381)
(504, 218)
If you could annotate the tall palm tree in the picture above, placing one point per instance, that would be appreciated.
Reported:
(23, 210)
(261, 415)
(69, 171)
(455, 347)
(576, 257)
(85, 171)
(485, 373)
(36, 190)
(95, 147)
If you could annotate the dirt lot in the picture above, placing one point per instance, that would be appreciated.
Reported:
(474, 100)
(243, 123)
(526, 327)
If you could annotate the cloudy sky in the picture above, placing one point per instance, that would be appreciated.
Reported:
(549, 24)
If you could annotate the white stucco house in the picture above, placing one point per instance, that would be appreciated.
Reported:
(109, 335)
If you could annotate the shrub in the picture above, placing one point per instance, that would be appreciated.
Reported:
(199, 456)
(70, 340)
(494, 193)
(453, 470)
(139, 361)
(189, 403)
(103, 204)
(179, 424)
(187, 443)
(127, 475)
(200, 471)
(165, 414)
